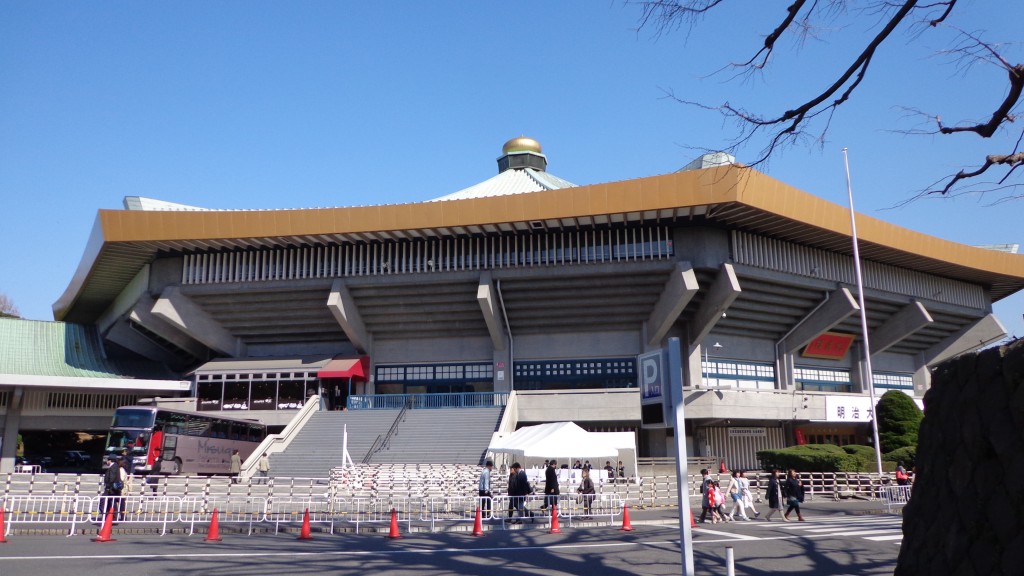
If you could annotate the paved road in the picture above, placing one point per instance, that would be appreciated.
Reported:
(829, 544)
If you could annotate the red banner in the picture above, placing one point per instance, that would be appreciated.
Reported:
(830, 345)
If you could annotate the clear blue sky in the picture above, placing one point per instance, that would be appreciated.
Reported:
(305, 104)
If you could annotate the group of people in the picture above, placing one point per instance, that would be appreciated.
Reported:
(262, 467)
(618, 471)
(519, 488)
(738, 496)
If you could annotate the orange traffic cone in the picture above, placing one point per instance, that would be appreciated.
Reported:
(626, 526)
(693, 523)
(104, 535)
(213, 534)
(721, 467)
(304, 533)
(555, 529)
(3, 528)
(478, 528)
(394, 525)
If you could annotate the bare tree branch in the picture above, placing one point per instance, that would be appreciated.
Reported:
(792, 125)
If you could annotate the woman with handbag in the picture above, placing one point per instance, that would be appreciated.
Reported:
(735, 495)
(587, 493)
(794, 495)
(774, 496)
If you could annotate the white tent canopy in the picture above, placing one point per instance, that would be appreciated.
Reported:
(555, 440)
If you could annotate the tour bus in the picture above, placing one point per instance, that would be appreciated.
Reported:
(165, 441)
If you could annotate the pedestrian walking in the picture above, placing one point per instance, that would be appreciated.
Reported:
(236, 466)
(705, 492)
(550, 485)
(484, 489)
(794, 495)
(735, 495)
(587, 494)
(263, 467)
(774, 496)
(747, 494)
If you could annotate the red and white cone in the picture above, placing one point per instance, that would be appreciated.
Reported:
(104, 535)
(394, 533)
(555, 528)
(478, 527)
(213, 534)
(304, 532)
(626, 526)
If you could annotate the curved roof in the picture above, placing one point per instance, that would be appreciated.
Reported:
(124, 241)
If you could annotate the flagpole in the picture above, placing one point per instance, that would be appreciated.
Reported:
(867, 376)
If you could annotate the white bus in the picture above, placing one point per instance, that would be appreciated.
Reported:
(165, 441)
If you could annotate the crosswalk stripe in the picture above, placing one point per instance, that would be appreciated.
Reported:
(862, 533)
(875, 528)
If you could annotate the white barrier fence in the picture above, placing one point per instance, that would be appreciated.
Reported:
(895, 496)
(162, 512)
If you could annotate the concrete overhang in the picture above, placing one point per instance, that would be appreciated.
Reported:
(124, 241)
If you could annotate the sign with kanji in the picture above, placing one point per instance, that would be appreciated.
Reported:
(830, 345)
(848, 408)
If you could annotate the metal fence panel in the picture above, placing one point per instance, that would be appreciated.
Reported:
(294, 509)
(44, 509)
(230, 510)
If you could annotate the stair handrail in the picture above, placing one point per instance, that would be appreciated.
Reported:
(384, 440)
(275, 443)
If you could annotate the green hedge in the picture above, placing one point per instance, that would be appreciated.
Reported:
(810, 458)
(908, 454)
(831, 458)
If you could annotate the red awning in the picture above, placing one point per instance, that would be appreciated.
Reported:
(355, 368)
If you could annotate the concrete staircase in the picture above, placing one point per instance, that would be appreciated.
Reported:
(440, 436)
(318, 446)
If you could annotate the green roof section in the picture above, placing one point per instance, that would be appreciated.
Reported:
(60, 349)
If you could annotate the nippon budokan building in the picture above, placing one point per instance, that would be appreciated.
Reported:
(528, 283)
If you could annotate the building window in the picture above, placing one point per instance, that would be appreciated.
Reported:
(890, 381)
(576, 374)
(435, 378)
(822, 380)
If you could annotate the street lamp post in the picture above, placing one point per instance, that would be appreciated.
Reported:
(868, 376)
(707, 365)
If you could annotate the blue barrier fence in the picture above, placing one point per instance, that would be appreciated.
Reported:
(418, 401)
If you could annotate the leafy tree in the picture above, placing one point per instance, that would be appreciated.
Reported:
(808, 116)
(899, 419)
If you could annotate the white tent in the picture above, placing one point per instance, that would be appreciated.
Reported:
(555, 440)
(565, 441)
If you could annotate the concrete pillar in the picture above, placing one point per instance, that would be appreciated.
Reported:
(343, 308)
(11, 425)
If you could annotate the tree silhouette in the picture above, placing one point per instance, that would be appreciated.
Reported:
(810, 117)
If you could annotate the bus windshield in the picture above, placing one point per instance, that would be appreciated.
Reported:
(133, 418)
(135, 441)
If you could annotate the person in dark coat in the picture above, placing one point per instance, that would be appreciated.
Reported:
(550, 485)
(518, 489)
(774, 496)
(794, 495)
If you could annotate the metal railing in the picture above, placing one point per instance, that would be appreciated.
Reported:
(162, 512)
(384, 440)
(447, 481)
(895, 497)
(422, 401)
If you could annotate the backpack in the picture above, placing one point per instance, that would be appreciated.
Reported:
(112, 477)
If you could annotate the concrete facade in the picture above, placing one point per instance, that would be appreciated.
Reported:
(559, 290)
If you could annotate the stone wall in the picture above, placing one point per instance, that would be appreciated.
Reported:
(966, 512)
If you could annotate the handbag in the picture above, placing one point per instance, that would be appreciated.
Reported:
(793, 501)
